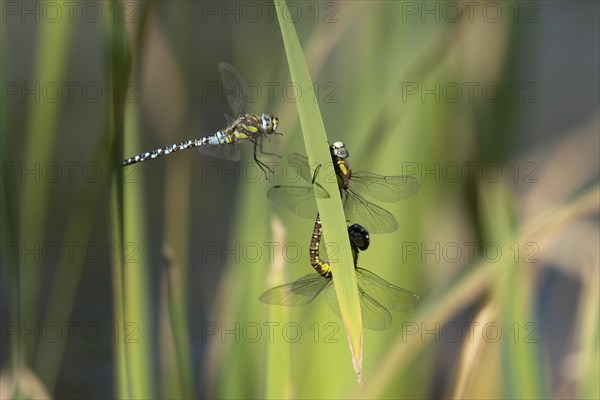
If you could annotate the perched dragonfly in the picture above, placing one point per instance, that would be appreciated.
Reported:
(377, 296)
(353, 185)
(225, 143)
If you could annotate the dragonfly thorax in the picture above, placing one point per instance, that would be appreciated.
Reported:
(339, 153)
(342, 172)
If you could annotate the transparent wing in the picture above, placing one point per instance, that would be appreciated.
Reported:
(320, 191)
(298, 293)
(300, 164)
(234, 87)
(229, 119)
(229, 151)
(374, 315)
(374, 218)
(385, 188)
(332, 300)
(299, 200)
(391, 296)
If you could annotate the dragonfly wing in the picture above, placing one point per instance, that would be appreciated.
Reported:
(374, 315)
(332, 300)
(299, 164)
(385, 188)
(234, 87)
(229, 151)
(298, 293)
(374, 218)
(320, 191)
(391, 296)
(230, 120)
(299, 200)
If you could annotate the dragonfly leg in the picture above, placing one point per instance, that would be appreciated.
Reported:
(262, 151)
(261, 164)
(316, 173)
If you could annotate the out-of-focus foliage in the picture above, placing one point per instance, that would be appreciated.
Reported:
(152, 274)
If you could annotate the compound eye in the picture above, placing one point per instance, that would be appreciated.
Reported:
(359, 236)
(338, 149)
(266, 120)
(341, 152)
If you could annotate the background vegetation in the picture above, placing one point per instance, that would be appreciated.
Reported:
(144, 282)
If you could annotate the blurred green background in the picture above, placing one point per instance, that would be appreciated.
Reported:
(144, 282)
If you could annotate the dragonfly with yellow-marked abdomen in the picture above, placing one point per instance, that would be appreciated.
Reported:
(225, 143)
(377, 296)
(352, 186)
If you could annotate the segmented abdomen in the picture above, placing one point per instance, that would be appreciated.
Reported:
(169, 149)
(321, 266)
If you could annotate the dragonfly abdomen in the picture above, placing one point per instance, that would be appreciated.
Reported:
(321, 266)
(219, 138)
(167, 150)
(222, 137)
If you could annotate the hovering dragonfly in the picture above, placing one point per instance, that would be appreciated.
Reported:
(377, 296)
(352, 185)
(224, 143)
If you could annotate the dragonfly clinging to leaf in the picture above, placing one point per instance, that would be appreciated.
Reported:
(225, 143)
(300, 200)
(377, 296)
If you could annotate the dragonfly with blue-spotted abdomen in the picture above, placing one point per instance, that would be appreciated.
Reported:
(225, 143)
(300, 200)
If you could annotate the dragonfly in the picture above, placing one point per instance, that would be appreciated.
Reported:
(353, 186)
(377, 296)
(225, 143)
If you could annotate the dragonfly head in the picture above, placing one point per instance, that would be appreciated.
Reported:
(269, 123)
(338, 149)
(359, 237)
